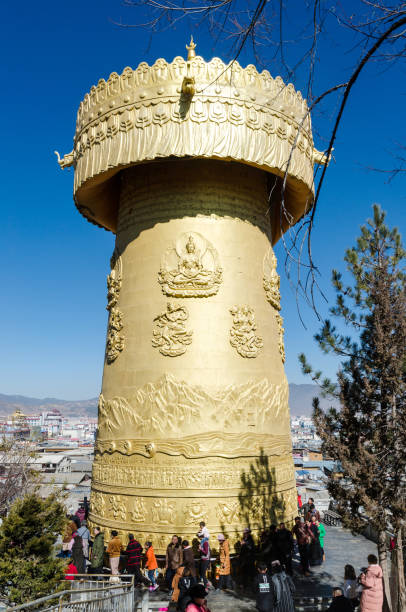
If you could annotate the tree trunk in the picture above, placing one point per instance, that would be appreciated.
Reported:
(383, 562)
(399, 598)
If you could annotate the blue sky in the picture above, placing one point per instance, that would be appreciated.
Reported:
(55, 263)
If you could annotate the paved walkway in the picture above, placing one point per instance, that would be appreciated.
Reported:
(341, 547)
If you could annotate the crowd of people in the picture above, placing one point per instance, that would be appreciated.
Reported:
(265, 568)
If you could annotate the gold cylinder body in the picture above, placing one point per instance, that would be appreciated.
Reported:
(193, 416)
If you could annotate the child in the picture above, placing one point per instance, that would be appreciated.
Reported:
(205, 554)
(151, 565)
(351, 586)
(265, 590)
(70, 571)
(181, 585)
(198, 597)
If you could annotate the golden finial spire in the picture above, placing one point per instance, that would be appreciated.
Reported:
(191, 49)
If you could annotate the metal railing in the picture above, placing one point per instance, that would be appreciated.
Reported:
(332, 518)
(145, 604)
(100, 596)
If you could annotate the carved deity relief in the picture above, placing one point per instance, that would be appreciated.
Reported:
(170, 334)
(271, 280)
(97, 503)
(290, 500)
(196, 512)
(271, 285)
(114, 280)
(281, 343)
(228, 512)
(256, 512)
(138, 513)
(190, 268)
(163, 512)
(117, 508)
(242, 333)
(115, 339)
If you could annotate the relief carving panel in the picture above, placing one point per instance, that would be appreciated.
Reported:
(117, 508)
(223, 474)
(138, 512)
(171, 408)
(170, 335)
(190, 268)
(211, 444)
(271, 282)
(158, 514)
(195, 512)
(115, 339)
(163, 512)
(242, 334)
(281, 330)
(228, 512)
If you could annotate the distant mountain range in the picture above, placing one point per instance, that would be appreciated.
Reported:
(301, 397)
(32, 405)
(300, 401)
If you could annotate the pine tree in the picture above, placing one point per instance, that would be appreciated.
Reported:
(367, 433)
(28, 566)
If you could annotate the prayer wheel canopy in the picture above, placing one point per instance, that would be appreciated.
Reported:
(193, 109)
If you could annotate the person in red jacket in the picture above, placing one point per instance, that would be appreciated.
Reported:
(70, 571)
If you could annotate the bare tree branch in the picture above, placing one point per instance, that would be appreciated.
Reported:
(380, 36)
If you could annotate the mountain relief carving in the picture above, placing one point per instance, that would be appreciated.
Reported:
(170, 407)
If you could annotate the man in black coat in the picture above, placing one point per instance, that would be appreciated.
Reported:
(284, 547)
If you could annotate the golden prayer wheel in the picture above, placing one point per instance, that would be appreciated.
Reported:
(184, 162)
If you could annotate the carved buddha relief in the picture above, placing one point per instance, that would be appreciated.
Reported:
(190, 268)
